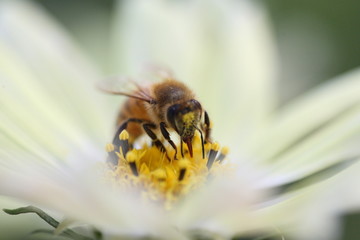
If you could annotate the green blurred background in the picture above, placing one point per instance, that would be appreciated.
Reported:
(316, 40)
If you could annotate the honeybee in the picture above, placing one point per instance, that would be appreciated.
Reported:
(168, 104)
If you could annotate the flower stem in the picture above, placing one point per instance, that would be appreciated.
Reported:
(50, 220)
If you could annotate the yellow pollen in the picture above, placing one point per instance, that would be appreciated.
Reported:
(215, 146)
(160, 174)
(183, 163)
(225, 150)
(188, 117)
(124, 135)
(109, 147)
(165, 180)
(131, 156)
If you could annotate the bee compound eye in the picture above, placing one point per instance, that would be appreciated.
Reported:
(195, 103)
(171, 114)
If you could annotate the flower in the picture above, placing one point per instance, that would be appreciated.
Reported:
(54, 123)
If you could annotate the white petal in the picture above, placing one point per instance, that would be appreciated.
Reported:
(333, 144)
(320, 216)
(79, 195)
(223, 49)
(229, 205)
(42, 62)
(323, 125)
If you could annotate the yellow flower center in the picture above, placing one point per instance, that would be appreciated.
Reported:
(160, 177)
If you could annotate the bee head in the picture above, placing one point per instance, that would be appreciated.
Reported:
(184, 118)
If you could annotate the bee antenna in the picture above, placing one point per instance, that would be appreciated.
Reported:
(202, 142)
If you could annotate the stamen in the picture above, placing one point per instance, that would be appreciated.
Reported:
(202, 142)
(212, 155)
(159, 174)
(124, 142)
(223, 153)
(109, 147)
(183, 165)
(181, 148)
(112, 157)
(160, 180)
(131, 158)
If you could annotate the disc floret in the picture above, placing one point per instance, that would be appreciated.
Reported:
(159, 177)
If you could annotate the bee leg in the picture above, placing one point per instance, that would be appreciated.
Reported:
(181, 148)
(207, 127)
(147, 127)
(117, 142)
(202, 142)
(166, 135)
(122, 127)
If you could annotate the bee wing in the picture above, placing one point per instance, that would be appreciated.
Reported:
(159, 72)
(126, 87)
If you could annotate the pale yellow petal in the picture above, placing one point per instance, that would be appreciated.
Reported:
(41, 60)
(79, 195)
(323, 124)
(327, 205)
(222, 49)
(223, 200)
